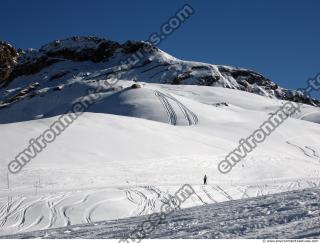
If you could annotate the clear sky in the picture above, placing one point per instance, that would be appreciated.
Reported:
(280, 39)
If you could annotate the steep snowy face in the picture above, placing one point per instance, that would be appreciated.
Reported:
(144, 62)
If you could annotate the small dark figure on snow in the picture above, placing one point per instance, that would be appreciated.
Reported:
(205, 180)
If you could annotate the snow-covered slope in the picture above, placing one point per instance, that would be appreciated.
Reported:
(139, 141)
(115, 165)
(293, 215)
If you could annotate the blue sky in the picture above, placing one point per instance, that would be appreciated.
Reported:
(280, 39)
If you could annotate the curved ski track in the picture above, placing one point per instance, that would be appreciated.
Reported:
(16, 213)
(305, 150)
(190, 117)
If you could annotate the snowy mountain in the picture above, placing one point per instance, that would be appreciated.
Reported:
(162, 123)
(57, 63)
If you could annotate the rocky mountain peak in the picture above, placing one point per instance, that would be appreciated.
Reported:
(150, 64)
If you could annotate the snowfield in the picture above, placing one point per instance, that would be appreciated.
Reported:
(142, 139)
(124, 155)
(290, 215)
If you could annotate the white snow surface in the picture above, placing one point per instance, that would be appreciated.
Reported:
(287, 215)
(134, 146)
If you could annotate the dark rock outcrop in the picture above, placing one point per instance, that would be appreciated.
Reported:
(247, 78)
(8, 58)
(34, 66)
(81, 49)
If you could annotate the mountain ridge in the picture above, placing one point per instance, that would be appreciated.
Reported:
(150, 64)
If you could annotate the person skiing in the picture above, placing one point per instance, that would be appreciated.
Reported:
(205, 180)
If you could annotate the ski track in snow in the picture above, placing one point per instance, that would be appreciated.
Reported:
(305, 151)
(145, 199)
(190, 117)
(287, 215)
(313, 152)
(208, 194)
(57, 209)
